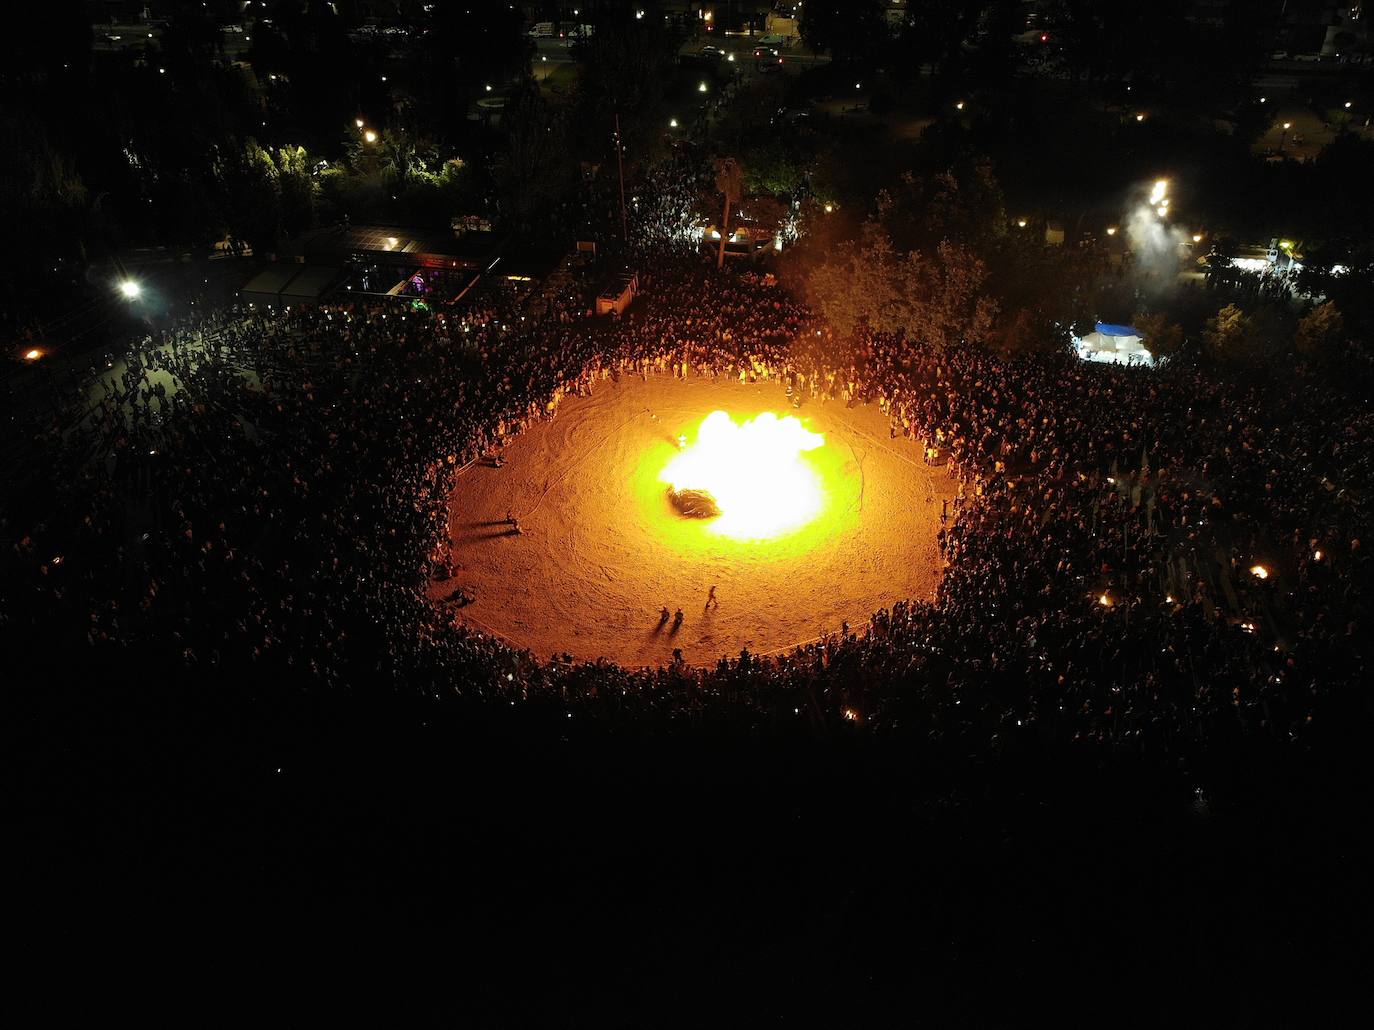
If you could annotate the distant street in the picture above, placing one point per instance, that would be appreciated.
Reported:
(741, 48)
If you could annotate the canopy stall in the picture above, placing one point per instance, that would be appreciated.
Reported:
(617, 294)
(265, 287)
(287, 283)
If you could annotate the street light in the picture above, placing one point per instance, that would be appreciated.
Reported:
(672, 123)
(1111, 230)
(358, 122)
(33, 355)
(1021, 223)
(1140, 117)
(370, 136)
(701, 88)
(130, 289)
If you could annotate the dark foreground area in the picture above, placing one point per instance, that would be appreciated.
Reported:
(306, 857)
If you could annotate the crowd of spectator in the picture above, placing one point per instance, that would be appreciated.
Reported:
(1141, 558)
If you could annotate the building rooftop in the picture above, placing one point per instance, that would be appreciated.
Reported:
(337, 244)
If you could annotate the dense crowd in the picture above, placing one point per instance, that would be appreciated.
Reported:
(256, 493)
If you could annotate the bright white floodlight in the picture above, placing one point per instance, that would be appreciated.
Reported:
(130, 289)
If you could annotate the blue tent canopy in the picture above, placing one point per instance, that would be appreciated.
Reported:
(1107, 329)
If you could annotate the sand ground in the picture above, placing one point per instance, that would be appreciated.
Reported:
(601, 549)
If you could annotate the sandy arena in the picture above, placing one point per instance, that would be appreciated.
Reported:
(601, 550)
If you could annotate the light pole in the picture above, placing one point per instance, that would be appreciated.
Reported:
(620, 165)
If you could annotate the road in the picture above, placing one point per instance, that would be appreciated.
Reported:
(741, 48)
(114, 38)
(1308, 133)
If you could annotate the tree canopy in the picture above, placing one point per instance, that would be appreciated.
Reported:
(937, 298)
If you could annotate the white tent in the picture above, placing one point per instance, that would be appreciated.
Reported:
(1118, 344)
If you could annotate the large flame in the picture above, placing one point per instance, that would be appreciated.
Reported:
(755, 471)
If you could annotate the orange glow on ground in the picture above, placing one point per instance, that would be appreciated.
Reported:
(602, 547)
(756, 470)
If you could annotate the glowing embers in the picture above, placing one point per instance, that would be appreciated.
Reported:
(755, 472)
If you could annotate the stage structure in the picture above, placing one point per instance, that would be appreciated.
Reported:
(1114, 344)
